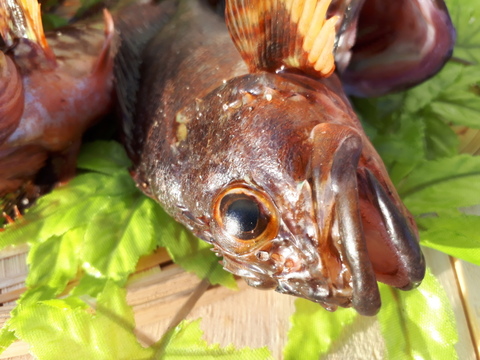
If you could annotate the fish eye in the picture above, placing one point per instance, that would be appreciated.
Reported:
(245, 214)
(242, 216)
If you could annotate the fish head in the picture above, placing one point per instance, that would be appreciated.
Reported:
(277, 174)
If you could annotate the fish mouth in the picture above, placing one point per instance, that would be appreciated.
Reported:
(358, 231)
(361, 221)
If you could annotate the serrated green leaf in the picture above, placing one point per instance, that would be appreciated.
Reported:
(418, 324)
(60, 329)
(69, 329)
(66, 208)
(7, 338)
(314, 330)
(442, 184)
(189, 252)
(55, 261)
(441, 140)
(458, 236)
(466, 17)
(459, 102)
(105, 157)
(185, 342)
(117, 236)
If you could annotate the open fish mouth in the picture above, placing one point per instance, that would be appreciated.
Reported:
(360, 232)
(361, 222)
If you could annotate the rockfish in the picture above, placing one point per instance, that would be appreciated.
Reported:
(240, 128)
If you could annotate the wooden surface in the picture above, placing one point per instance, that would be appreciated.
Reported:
(251, 317)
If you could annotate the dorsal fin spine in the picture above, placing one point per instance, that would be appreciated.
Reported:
(277, 35)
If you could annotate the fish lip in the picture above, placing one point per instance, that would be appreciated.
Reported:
(402, 236)
(334, 164)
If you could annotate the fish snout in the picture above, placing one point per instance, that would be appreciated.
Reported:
(341, 241)
(365, 233)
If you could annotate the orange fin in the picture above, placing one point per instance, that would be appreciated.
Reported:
(22, 19)
(273, 35)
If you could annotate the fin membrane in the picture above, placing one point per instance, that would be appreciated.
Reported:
(274, 35)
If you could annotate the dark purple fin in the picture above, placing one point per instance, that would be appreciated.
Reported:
(281, 34)
(399, 44)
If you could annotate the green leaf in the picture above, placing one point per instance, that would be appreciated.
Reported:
(458, 236)
(69, 329)
(185, 342)
(189, 252)
(466, 17)
(418, 324)
(459, 101)
(442, 184)
(441, 140)
(52, 21)
(61, 329)
(314, 330)
(105, 157)
(55, 261)
(117, 236)
(7, 338)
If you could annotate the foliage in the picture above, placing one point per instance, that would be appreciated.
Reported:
(95, 229)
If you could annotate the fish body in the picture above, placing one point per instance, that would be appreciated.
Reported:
(247, 139)
(62, 84)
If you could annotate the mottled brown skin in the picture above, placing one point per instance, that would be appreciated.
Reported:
(329, 221)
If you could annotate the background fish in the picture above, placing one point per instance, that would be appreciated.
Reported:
(54, 86)
(258, 151)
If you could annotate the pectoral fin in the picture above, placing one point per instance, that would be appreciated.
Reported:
(283, 34)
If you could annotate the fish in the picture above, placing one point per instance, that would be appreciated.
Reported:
(54, 86)
(240, 127)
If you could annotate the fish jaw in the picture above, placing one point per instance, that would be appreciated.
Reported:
(305, 170)
(355, 231)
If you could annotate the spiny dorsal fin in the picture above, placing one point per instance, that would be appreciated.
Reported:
(276, 34)
(22, 19)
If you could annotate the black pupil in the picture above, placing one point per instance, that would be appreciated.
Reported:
(242, 216)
